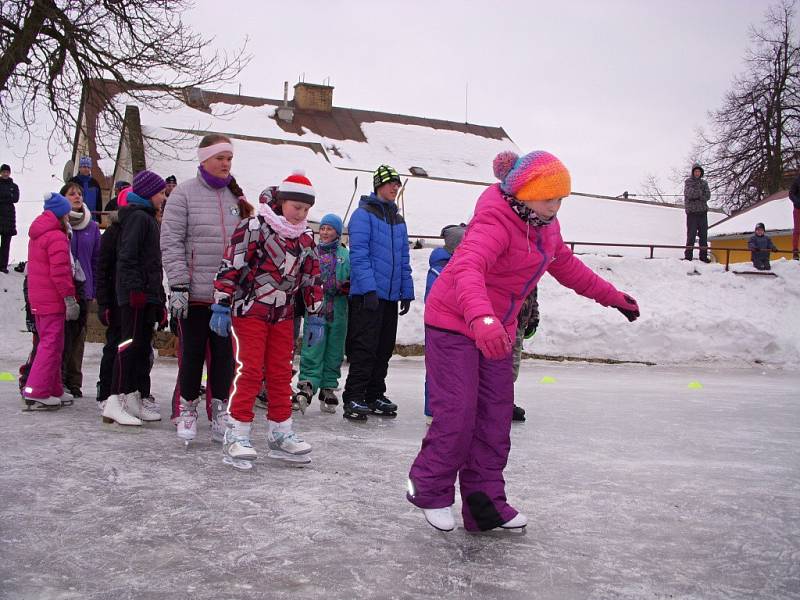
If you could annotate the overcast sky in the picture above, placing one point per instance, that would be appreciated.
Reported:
(616, 89)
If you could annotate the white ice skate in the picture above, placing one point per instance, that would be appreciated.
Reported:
(136, 408)
(50, 403)
(440, 518)
(517, 522)
(115, 411)
(237, 450)
(187, 421)
(219, 419)
(285, 445)
(152, 404)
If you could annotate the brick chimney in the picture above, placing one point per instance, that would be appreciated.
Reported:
(313, 96)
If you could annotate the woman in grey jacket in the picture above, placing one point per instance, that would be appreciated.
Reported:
(197, 224)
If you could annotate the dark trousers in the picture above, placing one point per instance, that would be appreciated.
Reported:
(195, 338)
(113, 338)
(369, 345)
(72, 357)
(5, 246)
(696, 226)
(132, 365)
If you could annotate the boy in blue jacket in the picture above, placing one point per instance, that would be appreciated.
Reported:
(380, 277)
(760, 246)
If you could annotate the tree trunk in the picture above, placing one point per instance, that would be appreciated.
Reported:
(23, 41)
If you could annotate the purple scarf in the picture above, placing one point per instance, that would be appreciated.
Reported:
(215, 182)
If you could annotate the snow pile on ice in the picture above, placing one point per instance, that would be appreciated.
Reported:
(715, 316)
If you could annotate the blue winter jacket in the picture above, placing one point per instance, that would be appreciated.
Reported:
(379, 256)
(437, 262)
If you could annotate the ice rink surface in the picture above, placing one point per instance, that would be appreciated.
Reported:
(636, 486)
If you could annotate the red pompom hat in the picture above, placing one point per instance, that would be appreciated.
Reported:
(296, 187)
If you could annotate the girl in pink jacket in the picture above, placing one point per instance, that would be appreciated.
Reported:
(51, 292)
(470, 326)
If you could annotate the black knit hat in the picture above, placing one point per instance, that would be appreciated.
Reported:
(5, 167)
(383, 175)
(760, 226)
(172, 179)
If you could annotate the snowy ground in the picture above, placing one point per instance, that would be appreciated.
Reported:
(636, 486)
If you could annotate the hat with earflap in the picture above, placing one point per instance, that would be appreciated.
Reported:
(537, 175)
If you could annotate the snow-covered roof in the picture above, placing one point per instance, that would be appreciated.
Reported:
(775, 212)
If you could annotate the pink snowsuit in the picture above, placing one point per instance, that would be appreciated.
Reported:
(49, 283)
(496, 266)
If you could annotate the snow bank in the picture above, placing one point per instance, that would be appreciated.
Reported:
(713, 317)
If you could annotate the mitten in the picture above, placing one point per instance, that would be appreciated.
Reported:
(73, 308)
(491, 337)
(220, 320)
(627, 306)
(404, 306)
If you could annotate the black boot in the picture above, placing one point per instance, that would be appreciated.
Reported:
(518, 414)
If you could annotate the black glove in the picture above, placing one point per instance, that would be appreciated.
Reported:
(530, 328)
(371, 301)
(404, 306)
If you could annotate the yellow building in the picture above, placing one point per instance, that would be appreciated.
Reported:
(774, 211)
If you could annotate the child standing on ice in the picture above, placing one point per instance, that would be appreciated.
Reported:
(51, 293)
(321, 365)
(271, 258)
(470, 326)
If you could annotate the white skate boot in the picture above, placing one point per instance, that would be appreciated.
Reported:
(187, 421)
(328, 400)
(219, 419)
(136, 408)
(115, 411)
(151, 404)
(517, 522)
(49, 403)
(284, 444)
(237, 450)
(440, 518)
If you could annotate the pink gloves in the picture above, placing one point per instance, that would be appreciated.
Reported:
(626, 305)
(491, 337)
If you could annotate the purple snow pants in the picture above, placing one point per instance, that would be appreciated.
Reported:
(472, 399)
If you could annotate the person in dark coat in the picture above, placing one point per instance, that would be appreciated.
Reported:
(92, 194)
(9, 196)
(760, 245)
(695, 197)
(113, 203)
(140, 299)
(794, 196)
(380, 277)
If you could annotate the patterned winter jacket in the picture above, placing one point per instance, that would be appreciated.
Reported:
(266, 264)
(197, 225)
(696, 193)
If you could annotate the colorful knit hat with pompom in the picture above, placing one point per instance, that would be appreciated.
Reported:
(536, 176)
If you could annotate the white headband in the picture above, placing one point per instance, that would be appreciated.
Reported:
(203, 154)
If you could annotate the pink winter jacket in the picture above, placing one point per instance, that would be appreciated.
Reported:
(497, 265)
(49, 266)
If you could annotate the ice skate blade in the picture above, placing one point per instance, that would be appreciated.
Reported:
(39, 407)
(390, 414)
(499, 531)
(295, 459)
(354, 417)
(112, 425)
(328, 408)
(238, 463)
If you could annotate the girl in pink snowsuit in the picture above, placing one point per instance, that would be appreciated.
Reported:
(470, 326)
(51, 292)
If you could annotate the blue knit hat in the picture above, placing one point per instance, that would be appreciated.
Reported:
(85, 161)
(332, 221)
(56, 204)
(147, 184)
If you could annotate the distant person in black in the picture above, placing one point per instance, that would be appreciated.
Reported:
(794, 196)
(695, 198)
(9, 196)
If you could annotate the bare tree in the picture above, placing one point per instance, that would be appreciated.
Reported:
(50, 48)
(653, 190)
(755, 136)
